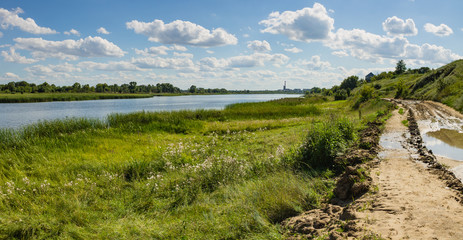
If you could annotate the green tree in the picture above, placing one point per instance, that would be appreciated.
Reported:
(400, 67)
(350, 83)
(192, 89)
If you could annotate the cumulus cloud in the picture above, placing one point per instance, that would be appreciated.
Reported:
(183, 33)
(51, 70)
(340, 53)
(259, 46)
(315, 63)
(395, 26)
(102, 30)
(69, 49)
(10, 75)
(13, 56)
(244, 61)
(11, 19)
(307, 24)
(367, 46)
(430, 53)
(163, 63)
(72, 32)
(441, 30)
(160, 50)
(293, 50)
(110, 66)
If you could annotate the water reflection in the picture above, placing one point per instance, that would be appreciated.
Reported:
(445, 142)
(14, 115)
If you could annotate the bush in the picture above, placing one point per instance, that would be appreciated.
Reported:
(324, 142)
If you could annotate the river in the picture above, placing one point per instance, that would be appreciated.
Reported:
(15, 115)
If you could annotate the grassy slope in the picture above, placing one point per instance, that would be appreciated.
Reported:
(444, 85)
(223, 175)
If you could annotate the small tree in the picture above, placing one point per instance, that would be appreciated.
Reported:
(192, 89)
(350, 83)
(400, 67)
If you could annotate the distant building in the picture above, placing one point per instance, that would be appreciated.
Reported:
(284, 86)
(369, 76)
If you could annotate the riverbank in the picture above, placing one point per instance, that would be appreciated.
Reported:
(52, 97)
(55, 97)
(205, 174)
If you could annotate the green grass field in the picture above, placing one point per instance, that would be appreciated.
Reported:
(206, 174)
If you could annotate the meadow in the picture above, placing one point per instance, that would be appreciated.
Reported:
(206, 174)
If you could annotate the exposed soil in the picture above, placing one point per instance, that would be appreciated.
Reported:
(399, 190)
(413, 199)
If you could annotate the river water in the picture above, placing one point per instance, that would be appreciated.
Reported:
(15, 115)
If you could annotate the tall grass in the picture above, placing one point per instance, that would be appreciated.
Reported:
(324, 141)
(218, 175)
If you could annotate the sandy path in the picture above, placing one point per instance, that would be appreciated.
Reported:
(410, 203)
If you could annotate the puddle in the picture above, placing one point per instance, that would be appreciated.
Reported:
(445, 142)
(390, 141)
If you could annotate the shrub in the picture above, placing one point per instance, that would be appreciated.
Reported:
(324, 142)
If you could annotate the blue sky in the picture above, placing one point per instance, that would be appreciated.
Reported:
(223, 44)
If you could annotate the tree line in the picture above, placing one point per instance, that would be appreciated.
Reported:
(132, 87)
(343, 91)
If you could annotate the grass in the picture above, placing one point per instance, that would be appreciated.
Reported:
(179, 175)
(51, 97)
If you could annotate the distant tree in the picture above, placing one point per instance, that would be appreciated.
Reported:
(400, 67)
(132, 86)
(340, 95)
(76, 87)
(192, 89)
(349, 83)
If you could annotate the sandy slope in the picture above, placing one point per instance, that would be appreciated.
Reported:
(411, 202)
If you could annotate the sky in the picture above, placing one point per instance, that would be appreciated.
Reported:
(232, 44)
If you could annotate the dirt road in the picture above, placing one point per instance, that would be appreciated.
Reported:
(408, 201)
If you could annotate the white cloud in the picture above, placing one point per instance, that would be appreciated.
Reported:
(51, 70)
(102, 30)
(69, 49)
(340, 53)
(210, 51)
(246, 35)
(441, 30)
(72, 32)
(110, 66)
(1, 34)
(371, 47)
(395, 26)
(164, 63)
(15, 57)
(315, 63)
(10, 75)
(183, 33)
(160, 50)
(367, 46)
(259, 46)
(11, 19)
(244, 61)
(293, 50)
(305, 25)
(431, 53)
(184, 55)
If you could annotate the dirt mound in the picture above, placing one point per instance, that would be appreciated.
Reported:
(329, 220)
(353, 183)
(335, 220)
